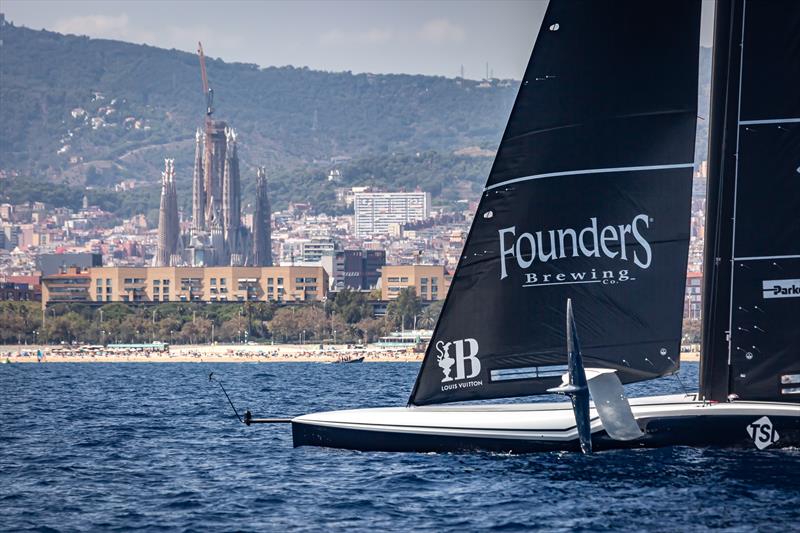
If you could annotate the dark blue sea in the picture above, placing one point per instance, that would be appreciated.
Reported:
(108, 447)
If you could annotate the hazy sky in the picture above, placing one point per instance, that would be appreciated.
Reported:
(417, 37)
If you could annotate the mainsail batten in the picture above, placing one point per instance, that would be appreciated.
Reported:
(588, 171)
(612, 233)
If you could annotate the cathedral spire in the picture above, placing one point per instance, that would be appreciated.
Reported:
(231, 199)
(262, 226)
(198, 189)
(168, 223)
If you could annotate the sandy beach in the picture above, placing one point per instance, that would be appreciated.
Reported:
(217, 353)
(221, 353)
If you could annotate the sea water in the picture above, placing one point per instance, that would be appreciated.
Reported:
(156, 446)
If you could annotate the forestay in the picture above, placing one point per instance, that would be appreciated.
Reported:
(588, 198)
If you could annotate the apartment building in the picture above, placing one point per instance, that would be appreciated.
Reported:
(186, 284)
(430, 282)
(358, 269)
(377, 212)
(693, 302)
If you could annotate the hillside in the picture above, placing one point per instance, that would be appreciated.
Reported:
(80, 111)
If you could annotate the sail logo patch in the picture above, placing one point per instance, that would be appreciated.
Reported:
(623, 242)
(781, 288)
(763, 433)
(465, 359)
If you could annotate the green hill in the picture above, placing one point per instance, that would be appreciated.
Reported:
(80, 111)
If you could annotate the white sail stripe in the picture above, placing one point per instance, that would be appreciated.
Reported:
(769, 121)
(761, 257)
(588, 171)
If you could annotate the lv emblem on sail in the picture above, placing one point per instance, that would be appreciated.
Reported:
(462, 356)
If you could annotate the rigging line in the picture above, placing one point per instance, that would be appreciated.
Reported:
(211, 378)
(589, 171)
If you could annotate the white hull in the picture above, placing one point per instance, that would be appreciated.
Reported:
(666, 420)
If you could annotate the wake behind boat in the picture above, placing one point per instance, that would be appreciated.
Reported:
(588, 203)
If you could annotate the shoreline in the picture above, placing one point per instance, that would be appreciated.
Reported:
(226, 353)
(217, 353)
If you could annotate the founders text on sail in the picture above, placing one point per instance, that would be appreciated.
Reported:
(591, 241)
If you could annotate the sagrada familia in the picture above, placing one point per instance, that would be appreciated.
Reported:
(216, 236)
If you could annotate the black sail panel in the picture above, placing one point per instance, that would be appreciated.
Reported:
(589, 199)
(764, 320)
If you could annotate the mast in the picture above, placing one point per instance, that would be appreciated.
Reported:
(719, 199)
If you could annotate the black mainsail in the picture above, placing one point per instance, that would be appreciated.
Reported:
(589, 199)
(752, 270)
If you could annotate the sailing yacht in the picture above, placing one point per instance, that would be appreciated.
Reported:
(584, 223)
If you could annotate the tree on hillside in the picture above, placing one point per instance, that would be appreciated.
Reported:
(284, 324)
(233, 329)
(402, 311)
(196, 331)
(371, 329)
(313, 322)
(69, 327)
(430, 315)
(351, 306)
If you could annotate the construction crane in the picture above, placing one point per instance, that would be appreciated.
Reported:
(208, 92)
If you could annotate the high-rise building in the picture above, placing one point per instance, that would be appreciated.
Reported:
(376, 212)
(262, 223)
(168, 248)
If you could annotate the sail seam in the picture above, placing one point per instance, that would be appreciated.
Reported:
(769, 121)
(589, 171)
(762, 257)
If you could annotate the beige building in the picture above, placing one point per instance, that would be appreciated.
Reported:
(429, 281)
(187, 284)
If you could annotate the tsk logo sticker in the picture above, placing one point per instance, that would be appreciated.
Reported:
(762, 433)
(781, 288)
(465, 354)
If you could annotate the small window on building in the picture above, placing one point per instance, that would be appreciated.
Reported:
(213, 281)
(222, 281)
